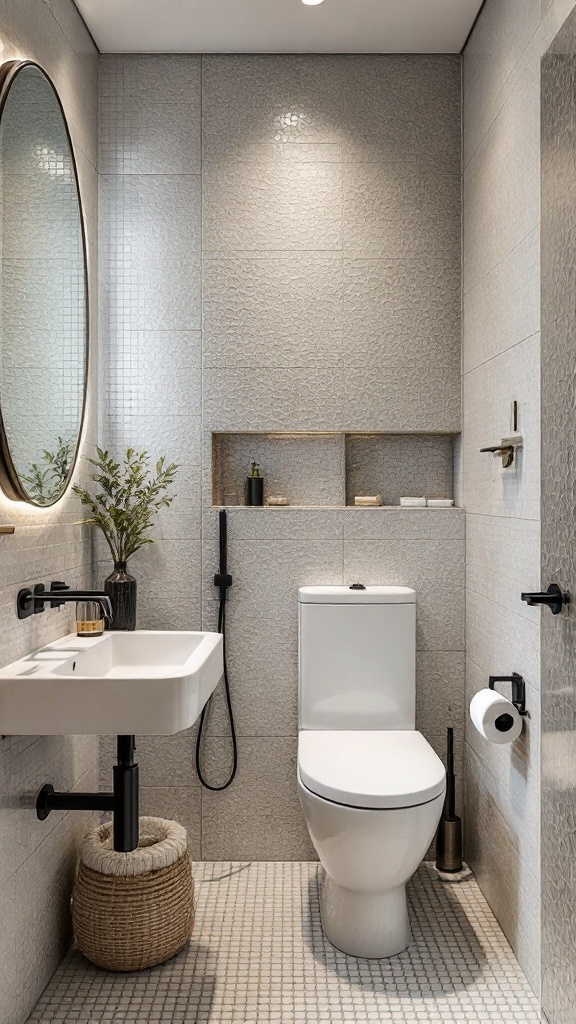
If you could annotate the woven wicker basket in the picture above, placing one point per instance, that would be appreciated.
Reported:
(134, 910)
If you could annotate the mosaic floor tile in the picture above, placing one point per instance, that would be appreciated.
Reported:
(258, 956)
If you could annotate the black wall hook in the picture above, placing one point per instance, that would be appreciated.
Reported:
(518, 689)
(554, 597)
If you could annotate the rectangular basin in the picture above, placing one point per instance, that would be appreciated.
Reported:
(149, 682)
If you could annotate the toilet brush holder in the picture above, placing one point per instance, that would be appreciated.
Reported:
(449, 835)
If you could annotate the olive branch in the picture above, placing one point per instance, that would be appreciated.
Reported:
(128, 496)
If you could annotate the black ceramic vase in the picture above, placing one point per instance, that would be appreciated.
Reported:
(121, 587)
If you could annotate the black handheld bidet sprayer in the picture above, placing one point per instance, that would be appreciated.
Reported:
(222, 580)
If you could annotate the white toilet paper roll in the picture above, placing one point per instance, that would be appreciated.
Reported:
(495, 717)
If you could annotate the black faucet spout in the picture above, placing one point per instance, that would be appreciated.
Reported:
(31, 602)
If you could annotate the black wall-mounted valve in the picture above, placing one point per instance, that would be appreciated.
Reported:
(554, 597)
(518, 689)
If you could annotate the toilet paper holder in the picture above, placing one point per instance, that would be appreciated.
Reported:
(518, 689)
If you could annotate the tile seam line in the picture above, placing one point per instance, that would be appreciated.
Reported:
(498, 355)
(533, 231)
(506, 80)
(532, 686)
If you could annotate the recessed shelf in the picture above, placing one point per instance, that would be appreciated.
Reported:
(327, 470)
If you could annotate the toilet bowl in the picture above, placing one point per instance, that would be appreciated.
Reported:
(370, 785)
(370, 837)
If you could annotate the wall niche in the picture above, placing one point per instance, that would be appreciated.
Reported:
(330, 469)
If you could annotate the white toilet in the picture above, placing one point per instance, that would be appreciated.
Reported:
(371, 787)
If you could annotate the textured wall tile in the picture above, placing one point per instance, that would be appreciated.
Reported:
(318, 399)
(501, 186)
(501, 640)
(404, 524)
(558, 528)
(488, 393)
(493, 61)
(281, 99)
(394, 466)
(391, 213)
(281, 310)
(306, 470)
(504, 307)
(260, 816)
(395, 308)
(263, 671)
(513, 889)
(433, 568)
(502, 560)
(269, 523)
(440, 703)
(383, 96)
(250, 206)
(143, 366)
(178, 437)
(176, 803)
(150, 114)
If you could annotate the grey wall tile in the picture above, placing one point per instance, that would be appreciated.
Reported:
(249, 206)
(404, 524)
(503, 309)
(558, 532)
(278, 310)
(391, 213)
(260, 816)
(433, 568)
(440, 703)
(408, 307)
(357, 399)
(396, 466)
(306, 470)
(513, 888)
(262, 99)
(488, 392)
(294, 338)
(176, 803)
(150, 110)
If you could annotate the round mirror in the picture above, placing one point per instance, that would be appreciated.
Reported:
(43, 290)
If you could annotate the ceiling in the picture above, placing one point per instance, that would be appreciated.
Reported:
(279, 26)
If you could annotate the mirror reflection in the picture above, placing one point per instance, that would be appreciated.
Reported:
(43, 305)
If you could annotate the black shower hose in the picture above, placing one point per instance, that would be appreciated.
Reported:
(223, 581)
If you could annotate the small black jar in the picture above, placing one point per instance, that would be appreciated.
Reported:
(255, 490)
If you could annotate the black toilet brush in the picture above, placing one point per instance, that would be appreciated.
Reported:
(449, 835)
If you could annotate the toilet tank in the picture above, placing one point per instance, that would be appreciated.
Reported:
(357, 658)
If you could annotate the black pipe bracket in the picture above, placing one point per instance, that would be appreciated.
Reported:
(122, 803)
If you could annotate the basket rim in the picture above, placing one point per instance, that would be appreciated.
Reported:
(169, 844)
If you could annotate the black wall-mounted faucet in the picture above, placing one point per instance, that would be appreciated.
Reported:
(31, 602)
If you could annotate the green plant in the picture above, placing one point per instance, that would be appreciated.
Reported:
(128, 497)
(45, 483)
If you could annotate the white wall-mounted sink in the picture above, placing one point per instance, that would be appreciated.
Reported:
(148, 683)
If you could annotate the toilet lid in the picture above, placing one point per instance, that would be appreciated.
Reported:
(383, 769)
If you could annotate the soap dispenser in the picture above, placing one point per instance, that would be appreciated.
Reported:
(255, 486)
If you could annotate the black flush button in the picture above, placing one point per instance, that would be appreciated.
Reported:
(357, 586)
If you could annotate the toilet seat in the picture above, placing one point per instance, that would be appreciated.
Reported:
(370, 769)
